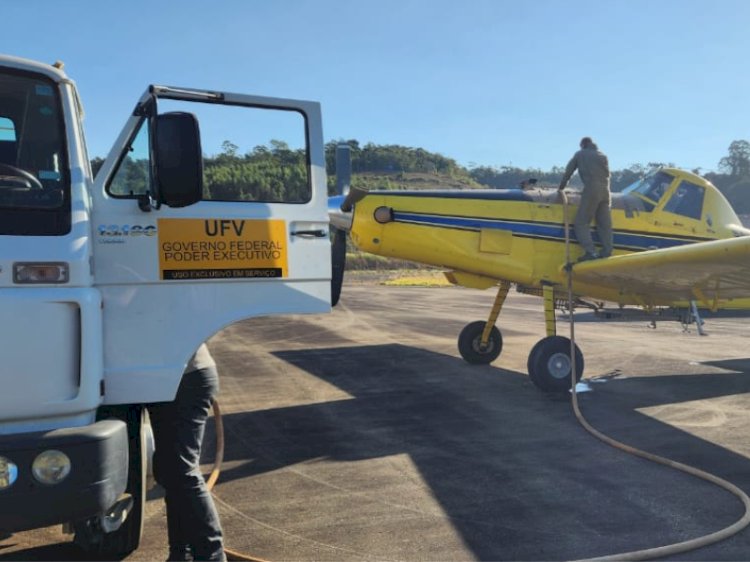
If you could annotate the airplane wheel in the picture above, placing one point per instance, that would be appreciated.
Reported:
(550, 365)
(470, 348)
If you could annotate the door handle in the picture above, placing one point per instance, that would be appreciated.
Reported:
(319, 233)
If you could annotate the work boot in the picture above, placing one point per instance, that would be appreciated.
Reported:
(217, 555)
(588, 256)
(180, 554)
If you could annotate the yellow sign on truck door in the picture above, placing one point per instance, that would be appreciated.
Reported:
(222, 248)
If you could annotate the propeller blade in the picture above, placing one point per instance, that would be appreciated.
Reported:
(340, 213)
(338, 263)
(355, 194)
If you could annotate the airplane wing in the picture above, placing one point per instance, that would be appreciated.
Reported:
(705, 271)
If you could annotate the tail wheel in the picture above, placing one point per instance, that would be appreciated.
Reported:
(550, 365)
(470, 344)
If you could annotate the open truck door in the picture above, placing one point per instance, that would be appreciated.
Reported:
(210, 208)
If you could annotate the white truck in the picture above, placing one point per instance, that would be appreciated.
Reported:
(109, 284)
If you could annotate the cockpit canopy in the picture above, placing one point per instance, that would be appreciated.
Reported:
(685, 199)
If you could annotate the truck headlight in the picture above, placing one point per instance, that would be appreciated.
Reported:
(8, 473)
(51, 467)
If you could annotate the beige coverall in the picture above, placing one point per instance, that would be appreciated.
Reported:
(593, 167)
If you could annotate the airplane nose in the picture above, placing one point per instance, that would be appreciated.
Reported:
(341, 220)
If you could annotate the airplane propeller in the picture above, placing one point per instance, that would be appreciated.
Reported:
(338, 263)
(340, 209)
(341, 220)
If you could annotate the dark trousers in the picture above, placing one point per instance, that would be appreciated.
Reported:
(178, 426)
(595, 204)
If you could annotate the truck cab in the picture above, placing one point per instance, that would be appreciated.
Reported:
(210, 208)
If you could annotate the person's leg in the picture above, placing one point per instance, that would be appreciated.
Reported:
(162, 416)
(192, 520)
(199, 515)
(582, 222)
(604, 226)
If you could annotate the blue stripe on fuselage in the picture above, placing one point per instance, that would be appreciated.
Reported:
(547, 231)
(472, 194)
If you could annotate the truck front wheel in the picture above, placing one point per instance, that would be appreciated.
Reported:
(90, 534)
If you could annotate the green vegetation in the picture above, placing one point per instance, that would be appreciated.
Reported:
(278, 173)
(273, 173)
(362, 261)
(400, 167)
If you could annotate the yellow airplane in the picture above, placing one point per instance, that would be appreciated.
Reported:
(677, 240)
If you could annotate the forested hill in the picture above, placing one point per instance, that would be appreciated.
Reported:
(267, 172)
(401, 167)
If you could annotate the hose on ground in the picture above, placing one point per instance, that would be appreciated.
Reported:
(661, 551)
(214, 476)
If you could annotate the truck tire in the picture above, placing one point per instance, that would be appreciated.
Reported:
(117, 544)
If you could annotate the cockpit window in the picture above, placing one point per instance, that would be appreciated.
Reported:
(687, 200)
(652, 187)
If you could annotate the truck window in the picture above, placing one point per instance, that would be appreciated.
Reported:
(34, 176)
(7, 130)
(250, 154)
(687, 200)
(132, 176)
(8, 144)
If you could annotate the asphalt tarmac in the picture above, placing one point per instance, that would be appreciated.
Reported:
(362, 435)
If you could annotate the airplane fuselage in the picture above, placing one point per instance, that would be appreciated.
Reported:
(519, 236)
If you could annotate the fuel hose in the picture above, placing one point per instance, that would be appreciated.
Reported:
(660, 551)
(214, 476)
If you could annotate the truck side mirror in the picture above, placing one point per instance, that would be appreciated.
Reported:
(178, 160)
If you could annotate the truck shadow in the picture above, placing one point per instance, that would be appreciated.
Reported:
(509, 466)
(512, 472)
(56, 551)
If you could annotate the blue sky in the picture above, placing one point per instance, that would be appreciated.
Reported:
(487, 82)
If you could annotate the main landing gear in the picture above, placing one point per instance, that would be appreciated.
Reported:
(549, 364)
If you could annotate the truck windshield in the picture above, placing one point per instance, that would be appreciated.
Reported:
(34, 177)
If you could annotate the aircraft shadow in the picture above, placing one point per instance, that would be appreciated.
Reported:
(512, 470)
(637, 315)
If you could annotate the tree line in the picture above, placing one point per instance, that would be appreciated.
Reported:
(275, 172)
(732, 177)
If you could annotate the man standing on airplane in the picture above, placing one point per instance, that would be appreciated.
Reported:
(593, 167)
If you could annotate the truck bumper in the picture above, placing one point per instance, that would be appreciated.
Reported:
(99, 473)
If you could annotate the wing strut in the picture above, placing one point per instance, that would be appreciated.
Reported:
(698, 319)
(549, 309)
(502, 293)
